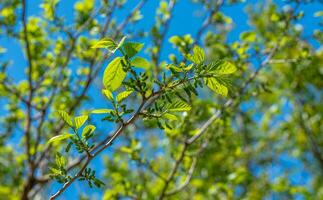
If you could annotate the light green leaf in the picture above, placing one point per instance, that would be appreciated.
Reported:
(188, 68)
(179, 106)
(54, 170)
(222, 67)
(60, 137)
(175, 40)
(88, 130)
(216, 86)
(132, 48)
(140, 62)
(80, 120)
(318, 13)
(101, 111)
(174, 68)
(248, 36)
(108, 94)
(114, 74)
(60, 160)
(123, 95)
(106, 43)
(198, 55)
(65, 116)
(121, 42)
(170, 117)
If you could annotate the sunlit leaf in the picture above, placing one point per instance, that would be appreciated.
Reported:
(179, 106)
(120, 44)
(140, 62)
(60, 137)
(89, 129)
(198, 55)
(108, 94)
(80, 120)
(222, 67)
(216, 86)
(101, 111)
(106, 43)
(114, 74)
(123, 95)
(65, 116)
(170, 117)
(60, 160)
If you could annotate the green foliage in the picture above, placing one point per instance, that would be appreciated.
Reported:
(67, 119)
(155, 117)
(132, 48)
(60, 137)
(114, 74)
(80, 120)
(178, 106)
(140, 62)
(123, 95)
(58, 169)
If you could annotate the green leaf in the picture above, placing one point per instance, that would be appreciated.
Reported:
(121, 42)
(179, 106)
(54, 170)
(80, 120)
(65, 116)
(170, 117)
(248, 36)
(108, 94)
(58, 138)
(175, 40)
(216, 86)
(106, 43)
(222, 67)
(198, 55)
(132, 48)
(120, 97)
(140, 62)
(101, 111)
(318, 13)
(60, 160)
(114, 74)
(89, 129)
(174, 68)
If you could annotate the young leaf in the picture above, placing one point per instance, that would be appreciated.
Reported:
(60, 137)
(101, 111)
(179, 106)
(108, 94)
(132, 48)
(123, 95)
(121, 42)
(106, 43)
(89, 129)
(198, 55)
(140, 62)
(54, 170)
(60, 160)
(114, 74)
(174, 68)
(80, 120)
(216, 86)
(221, 67)
(170, 117)
(67, 119)
(98, 183)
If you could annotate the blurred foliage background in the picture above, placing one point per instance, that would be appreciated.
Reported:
(262, 141)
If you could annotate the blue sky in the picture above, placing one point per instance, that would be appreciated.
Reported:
(187, 19)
